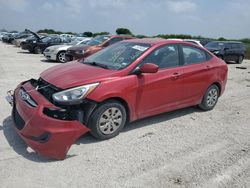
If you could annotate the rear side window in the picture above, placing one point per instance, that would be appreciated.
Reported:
(193, 55)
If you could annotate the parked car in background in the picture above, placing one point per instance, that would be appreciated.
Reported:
(228, 50)
(17, 41)
(197, 42)
(124, 82)
(96, 44)
(39, 46)
(7, 38)
(2, 34)
(57, 52)
(11, 37)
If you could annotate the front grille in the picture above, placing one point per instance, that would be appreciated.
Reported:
(19, 122)
(45, 88)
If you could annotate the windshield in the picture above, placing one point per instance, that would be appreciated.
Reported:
(97, 40)
(74, 42)
(118, 56)
(46, 39)
(215, 45)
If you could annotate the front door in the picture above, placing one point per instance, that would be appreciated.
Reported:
(161, 91)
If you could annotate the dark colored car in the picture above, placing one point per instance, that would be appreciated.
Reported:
(7, 38)
(124, 82)
(11, 37)
(228, 51)
(94, 45)
(38, 46)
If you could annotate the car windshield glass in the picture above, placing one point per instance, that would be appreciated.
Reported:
(216, 45)
(74, 42)
(97, 40)
(46, 39)
(118, 56)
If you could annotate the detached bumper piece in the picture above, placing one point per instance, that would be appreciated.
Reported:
(47, 129)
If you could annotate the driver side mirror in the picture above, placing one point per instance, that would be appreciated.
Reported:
(147, 68)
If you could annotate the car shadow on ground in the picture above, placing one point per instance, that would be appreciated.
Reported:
(47, 61)
(23, 52)
(149, 121)
(20, 147)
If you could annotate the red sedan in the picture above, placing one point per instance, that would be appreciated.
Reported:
(120, 84)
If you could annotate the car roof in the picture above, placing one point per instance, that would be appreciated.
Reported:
(157, 41)
(237, 42)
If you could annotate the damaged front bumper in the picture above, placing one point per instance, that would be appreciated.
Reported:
(47, 129)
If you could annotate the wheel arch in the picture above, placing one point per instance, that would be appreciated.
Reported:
(218, 85)
(123, 102)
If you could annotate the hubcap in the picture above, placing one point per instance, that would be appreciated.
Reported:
(212, 97)
(110, 120)
(61, 57)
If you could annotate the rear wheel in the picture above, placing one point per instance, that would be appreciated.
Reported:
(107, 120)
(240, 59)
(61, 57)
(210, 98)
(37, 50)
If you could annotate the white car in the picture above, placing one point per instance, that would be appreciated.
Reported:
(57, 52)
(197, 42)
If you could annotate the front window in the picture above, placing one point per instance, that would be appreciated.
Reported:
(97, 40)
(118, 56)
(164, 57)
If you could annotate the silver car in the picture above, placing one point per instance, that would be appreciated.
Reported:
(57, 52)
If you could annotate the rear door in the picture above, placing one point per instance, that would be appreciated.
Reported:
(197, 71)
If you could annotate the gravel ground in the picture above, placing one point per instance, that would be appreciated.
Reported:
(185, 148)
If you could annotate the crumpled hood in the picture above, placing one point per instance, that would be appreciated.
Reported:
(75, 74)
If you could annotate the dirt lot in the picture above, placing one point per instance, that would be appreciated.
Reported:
(185, 148)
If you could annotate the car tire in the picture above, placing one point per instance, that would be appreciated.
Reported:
(37, 50)
(240, 59)
(61, 57)
(107, 120)
(210, 98)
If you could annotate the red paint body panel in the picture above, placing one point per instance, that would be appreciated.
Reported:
(145, 94)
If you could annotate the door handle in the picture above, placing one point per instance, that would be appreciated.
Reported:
(175, 76)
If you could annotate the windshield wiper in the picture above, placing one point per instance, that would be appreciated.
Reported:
(97, 64)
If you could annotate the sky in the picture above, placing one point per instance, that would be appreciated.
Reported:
(208, 18)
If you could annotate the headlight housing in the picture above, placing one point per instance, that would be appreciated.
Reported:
(216, 52)
(74, 95)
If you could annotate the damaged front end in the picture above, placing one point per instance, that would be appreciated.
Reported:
(47, 127)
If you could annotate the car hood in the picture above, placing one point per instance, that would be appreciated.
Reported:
(79, 47)
(61, 46)
(74, 74)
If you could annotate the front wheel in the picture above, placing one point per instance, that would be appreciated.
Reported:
(210, 98)
(240, 59)
(37, 50)
(108, 120)
(61, 57)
